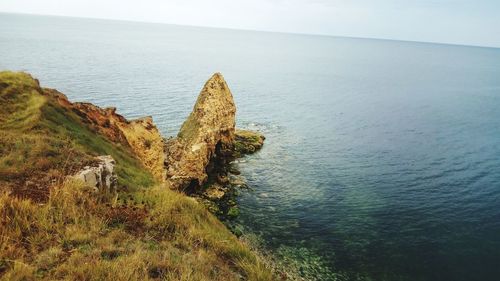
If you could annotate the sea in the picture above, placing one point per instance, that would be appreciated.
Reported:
(382, 158)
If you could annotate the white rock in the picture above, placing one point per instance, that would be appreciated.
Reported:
(102, 176)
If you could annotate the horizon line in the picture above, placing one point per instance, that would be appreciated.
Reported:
(254, 30)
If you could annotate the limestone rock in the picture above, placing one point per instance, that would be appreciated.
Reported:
(215, 192)
(205, 139)
(147, 143)
(101, 177)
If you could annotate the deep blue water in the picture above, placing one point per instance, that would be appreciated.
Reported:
(382, 158)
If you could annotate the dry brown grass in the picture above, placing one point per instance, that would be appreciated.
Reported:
(74, 236)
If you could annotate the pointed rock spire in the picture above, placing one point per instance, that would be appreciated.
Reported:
(205, 139)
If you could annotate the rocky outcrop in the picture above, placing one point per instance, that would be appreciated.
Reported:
(101, 177)
(247, 142)
(141, 135)
(147, 143)
(205, 140)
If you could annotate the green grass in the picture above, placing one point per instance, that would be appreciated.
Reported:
(21, 101)
(189, 128)
(130, 171)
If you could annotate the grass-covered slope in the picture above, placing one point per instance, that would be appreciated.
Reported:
(41, 141)
(54, 229)
(167, 236)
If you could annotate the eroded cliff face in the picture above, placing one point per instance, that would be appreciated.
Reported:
(147, 143)
(141, 135)
(205, 141)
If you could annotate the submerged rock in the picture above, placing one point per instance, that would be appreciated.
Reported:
(233, 212)
(205, 141)
(238, 181)
(102, 176)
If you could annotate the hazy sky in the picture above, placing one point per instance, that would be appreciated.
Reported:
(470, 22)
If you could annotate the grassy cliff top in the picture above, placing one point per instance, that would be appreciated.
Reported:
(55, 229)
(41, 141)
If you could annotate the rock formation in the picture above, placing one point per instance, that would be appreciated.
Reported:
(101, 177)
(140, 135)
(147, 143)
(247, 142)
(205, 140)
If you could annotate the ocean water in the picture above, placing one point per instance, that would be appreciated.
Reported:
(382, 158)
